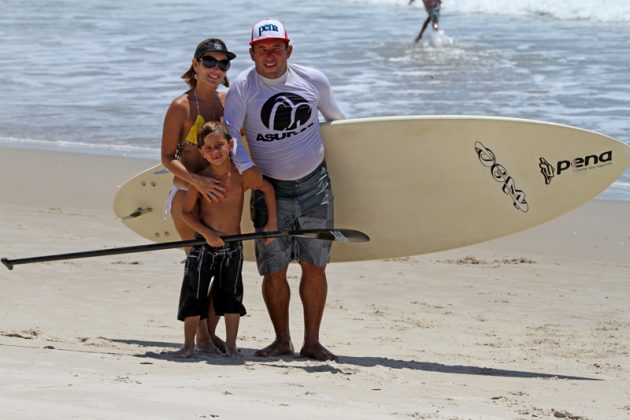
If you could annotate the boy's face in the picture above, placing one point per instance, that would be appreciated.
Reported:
(216, 149)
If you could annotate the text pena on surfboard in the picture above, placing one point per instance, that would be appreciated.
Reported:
(579, 164)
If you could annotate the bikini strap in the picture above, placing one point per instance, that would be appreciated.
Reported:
(196, 101)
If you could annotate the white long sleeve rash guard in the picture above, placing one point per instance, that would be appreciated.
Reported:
(281, 121)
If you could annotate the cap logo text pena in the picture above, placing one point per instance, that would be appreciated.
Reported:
(267, 27)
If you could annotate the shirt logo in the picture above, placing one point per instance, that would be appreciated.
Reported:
(285, 111)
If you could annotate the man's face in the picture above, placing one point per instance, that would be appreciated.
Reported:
(270, 57)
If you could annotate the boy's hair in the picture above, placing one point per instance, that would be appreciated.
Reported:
(212, 127)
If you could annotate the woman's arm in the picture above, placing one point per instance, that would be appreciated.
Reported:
(174, 120)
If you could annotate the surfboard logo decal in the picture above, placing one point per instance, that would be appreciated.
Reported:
(547, 170)
(579, 164)
(285, 111)
(500, 174)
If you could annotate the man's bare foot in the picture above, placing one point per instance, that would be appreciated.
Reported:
(318, 352)
(277, 348)
(218, 343)
(183, 353)
(207, 347)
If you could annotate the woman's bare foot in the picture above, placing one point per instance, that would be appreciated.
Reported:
(317, 351)
(277, 348)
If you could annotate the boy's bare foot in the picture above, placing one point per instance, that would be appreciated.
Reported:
(277, 348)
(318, 352)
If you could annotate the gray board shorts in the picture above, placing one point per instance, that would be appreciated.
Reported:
(306, 203)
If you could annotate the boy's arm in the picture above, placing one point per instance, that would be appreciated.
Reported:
(191, 217)
(270, 201)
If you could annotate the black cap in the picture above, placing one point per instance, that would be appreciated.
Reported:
(213, 45)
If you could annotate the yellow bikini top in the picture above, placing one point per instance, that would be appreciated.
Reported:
(191, 137)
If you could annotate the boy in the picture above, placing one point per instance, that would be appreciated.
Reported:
(216, 259)
(433, 11)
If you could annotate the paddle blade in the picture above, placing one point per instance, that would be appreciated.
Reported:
(338, 235)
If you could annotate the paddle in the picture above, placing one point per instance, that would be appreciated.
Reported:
(339, 235)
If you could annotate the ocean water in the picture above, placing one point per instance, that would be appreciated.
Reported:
(96, 76)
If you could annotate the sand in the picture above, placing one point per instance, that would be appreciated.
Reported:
(535, 325)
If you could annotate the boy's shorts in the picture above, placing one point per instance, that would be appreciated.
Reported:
(306, 203)
(204, 263)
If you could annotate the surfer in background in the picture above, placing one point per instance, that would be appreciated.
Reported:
(180, 155)
(277, 104)
(433, 10)
(216, 259)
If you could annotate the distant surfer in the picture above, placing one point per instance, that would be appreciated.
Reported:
(433, 10)
(277, 103)
(184, 117)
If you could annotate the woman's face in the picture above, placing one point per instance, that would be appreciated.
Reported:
(209, 68)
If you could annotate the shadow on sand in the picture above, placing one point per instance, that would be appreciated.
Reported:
(357, 361)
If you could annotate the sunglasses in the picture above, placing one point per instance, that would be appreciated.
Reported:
(209, 62)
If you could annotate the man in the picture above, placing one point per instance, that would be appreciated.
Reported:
(277, 104)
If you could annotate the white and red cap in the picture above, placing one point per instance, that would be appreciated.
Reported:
(269, 29)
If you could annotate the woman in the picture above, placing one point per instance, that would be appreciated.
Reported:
(185, 115)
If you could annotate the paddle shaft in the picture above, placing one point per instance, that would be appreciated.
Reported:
(345, 235)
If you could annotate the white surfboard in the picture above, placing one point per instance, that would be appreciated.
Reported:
(422, 184)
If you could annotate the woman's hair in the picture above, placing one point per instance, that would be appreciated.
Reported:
(212, 127)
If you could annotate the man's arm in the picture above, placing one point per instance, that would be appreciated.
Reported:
(234, 117)
(327, 104)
